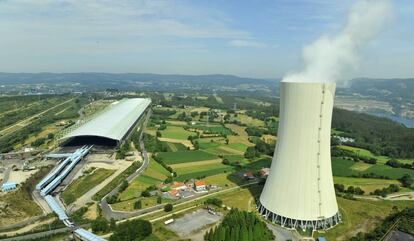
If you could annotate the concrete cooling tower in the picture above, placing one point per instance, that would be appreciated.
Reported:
(299, 191)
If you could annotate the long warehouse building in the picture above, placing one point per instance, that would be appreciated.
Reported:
(112, 125)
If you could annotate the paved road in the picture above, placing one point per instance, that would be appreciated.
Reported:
(107, 211)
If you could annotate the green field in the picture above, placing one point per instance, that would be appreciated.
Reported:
(83, 184)
(153, 175)
(366, 184)
(360, 216)
(238, 146)
(200, 168)
(236, 159)
(185, 156)
(364, 153)
(176, 132)
(212, 129)
(201, 174)
(173, 147)
(345, 168)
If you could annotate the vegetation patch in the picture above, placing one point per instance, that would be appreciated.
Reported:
(185, 156)
(85, 183)
(176, 132)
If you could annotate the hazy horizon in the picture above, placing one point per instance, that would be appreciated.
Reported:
(245, 39)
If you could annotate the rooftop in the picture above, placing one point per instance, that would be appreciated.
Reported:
(114, 122)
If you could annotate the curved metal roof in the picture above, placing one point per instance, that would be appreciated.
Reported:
(115, 121)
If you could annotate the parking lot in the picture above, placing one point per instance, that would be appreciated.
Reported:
(193, 222)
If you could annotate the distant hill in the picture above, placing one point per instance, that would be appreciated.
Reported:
(392, 98)
(140, 81)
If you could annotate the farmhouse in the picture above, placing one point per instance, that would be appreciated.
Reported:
(199, 186)
(179, 186)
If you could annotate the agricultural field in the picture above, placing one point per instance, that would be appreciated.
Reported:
(170, 158)
(154, 174)
(176, 132)
(85, 183)
(345, 168)
(366, 184)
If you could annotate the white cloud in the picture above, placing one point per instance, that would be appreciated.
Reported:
(246, 43)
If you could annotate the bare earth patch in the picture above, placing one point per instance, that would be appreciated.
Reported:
(195, 164)
(186, 143)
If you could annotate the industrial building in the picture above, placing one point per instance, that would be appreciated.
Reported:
(109, 127)
(299, 190)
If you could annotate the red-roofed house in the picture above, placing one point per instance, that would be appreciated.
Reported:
(200, 185)
(249, 175)
(179, 186)
(173, 192)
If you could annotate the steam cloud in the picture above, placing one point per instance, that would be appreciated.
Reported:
(326, 58)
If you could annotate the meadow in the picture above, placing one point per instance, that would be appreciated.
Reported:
(85, 183)
(176, 132)
(185, 156)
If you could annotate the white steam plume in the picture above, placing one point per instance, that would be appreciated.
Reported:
(326, 58)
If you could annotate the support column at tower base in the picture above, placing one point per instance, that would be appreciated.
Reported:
(320, 224)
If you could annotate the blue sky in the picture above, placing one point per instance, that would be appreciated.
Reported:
(246, 38)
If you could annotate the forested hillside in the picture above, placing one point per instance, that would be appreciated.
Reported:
(379, 135)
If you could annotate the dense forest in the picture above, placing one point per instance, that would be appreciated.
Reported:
(240, 226)
(379, 135)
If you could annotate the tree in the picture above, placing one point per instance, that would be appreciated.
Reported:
(112, 224)
(145, 193)
(131, 230)
(159, 200)
(159, 134)
(100, 225)
(138, 204)
(168, 207)
(250, 153)
(406, 180)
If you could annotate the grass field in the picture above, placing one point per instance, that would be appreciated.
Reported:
(247, 120)
(236, 158)
(18, 206)
(153, 175)
(83, 184)
(176, 132)
(364, 153)
(195, 164)
(212, 129)
(366, 184)
(128, 205)
(195, 167)
(361, 216)
(173, 147)
(185, 156)
(244, 200)
(346, 168)
(221, 180)
(200, 173)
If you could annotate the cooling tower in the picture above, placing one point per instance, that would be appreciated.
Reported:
(299, 191)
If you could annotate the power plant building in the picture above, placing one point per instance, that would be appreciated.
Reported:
(299, 191)
(113, 124)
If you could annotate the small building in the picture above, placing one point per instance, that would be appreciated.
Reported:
(173, 193)
(179, 186)
(320, 238)
(249, 175)
(200, 186)
(8, 186)
(264, 172)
